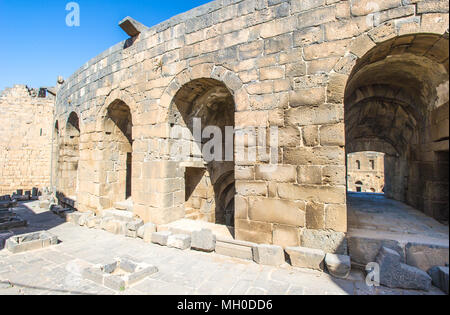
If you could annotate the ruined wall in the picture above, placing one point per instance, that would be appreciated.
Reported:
(25, 139)
(366, 168)
(286, 65)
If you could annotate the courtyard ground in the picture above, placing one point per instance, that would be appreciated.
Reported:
(57, 270)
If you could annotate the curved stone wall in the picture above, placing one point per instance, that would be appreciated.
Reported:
(286, 65)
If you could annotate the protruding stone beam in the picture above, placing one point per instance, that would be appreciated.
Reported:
(132, 27)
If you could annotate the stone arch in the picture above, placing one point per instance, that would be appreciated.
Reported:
(392, 91)
(116, 95)
(114, 127)
(210, 182)
(202, 71)
(69, 155)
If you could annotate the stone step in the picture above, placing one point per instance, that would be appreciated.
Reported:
(415, 250)
(126, 205)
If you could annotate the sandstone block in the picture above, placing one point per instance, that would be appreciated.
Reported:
(145, 232)
(270, 255)
(133, 227)
(203, 240)
(365, 250)
(161, 238)
(328, 241)
(425, 256)
(339, 266)
(439, 276)
(180, 241)
(306, 257)
(235, 248)
(395, 274)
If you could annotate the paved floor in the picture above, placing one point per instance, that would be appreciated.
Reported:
(375, 213)
(57, 270)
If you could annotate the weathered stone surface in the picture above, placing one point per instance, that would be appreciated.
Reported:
(115, 227)
(439, 276)
(131, 26)
(328, 241)
(133, 227)
(30, 241)
(365, 250)
(203, 240)
(3, 237)
(235, 248)
(395, 274)
(425, 256)
(306, 257)
(180, 241)
(145, 232)
(268, 255)
(339, 266)
(161, 238)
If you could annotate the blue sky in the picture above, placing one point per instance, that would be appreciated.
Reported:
(37, 45)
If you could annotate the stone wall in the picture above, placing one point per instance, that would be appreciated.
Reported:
(286, 64)
(365, 170)
(25, 139)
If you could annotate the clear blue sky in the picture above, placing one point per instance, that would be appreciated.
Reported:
(37, 45)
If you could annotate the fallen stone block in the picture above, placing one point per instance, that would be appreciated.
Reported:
(116, 227)
(338, 266)
(203, 240)
(145, 232)
(234, 248)
(426, 256)
(133, 227)
(3, 237)
(270, 255)
(161, 238)
(180, 241)
(395, 274)
(365, 250)
(328, 241)
(73, 217)
(306, 257)
(84, 217)
(93, 222)
(439, 276)
(119, 215)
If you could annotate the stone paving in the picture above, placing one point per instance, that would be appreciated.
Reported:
(57, 269)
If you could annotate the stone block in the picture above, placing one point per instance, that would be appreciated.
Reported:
(30, 241)
(203, 240)
(115, 227)
(339, 266)
(161, 238)
(270, 255)
(3, 237)
(114, 282)
(180, 241)
(93, 222)
(426, 256)
(365, 250)
(234, 248)
(145, 232)
(395, 274)
(306, 257)
(133, 227)
(439, 276)
(328, 241)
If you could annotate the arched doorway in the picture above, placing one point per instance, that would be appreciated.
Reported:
(116, 172)
(70, 155)
(392, 100)
(201, 119)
